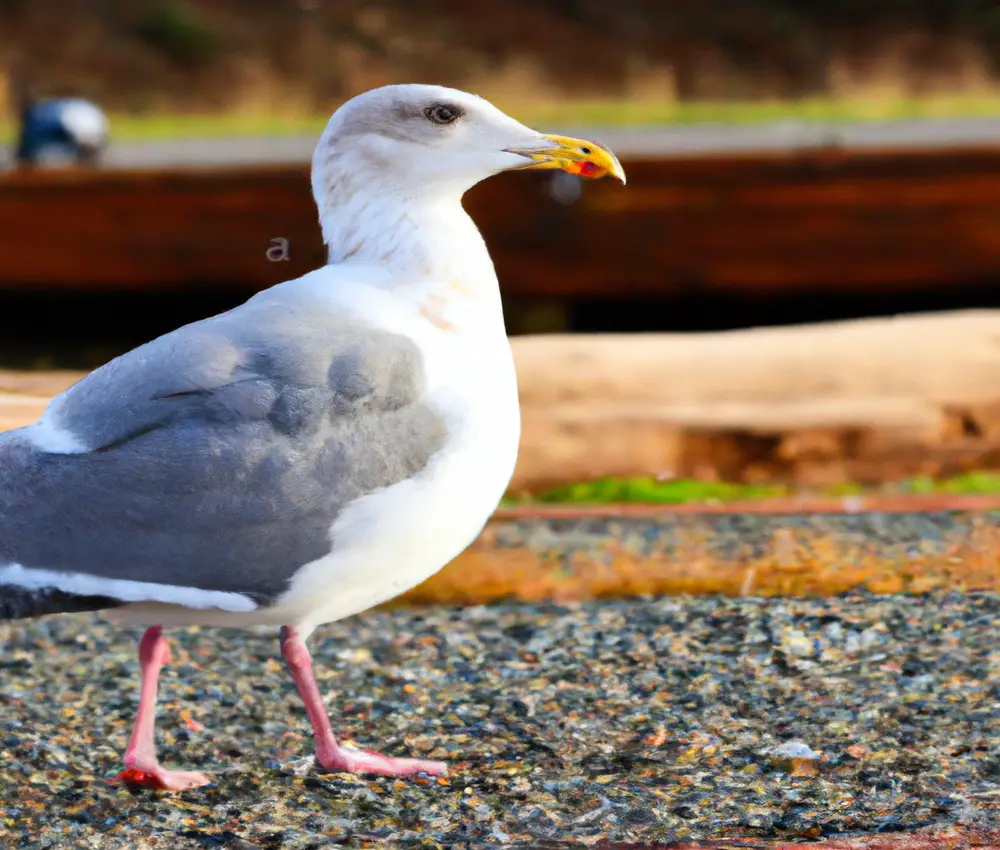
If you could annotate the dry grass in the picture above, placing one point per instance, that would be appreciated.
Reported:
(794, 565)
(270, 66)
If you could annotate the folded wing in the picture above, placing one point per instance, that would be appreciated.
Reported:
(206, 467)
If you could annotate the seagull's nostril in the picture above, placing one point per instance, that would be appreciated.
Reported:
(585, 151)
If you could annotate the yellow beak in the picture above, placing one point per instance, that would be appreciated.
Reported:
(576, 156)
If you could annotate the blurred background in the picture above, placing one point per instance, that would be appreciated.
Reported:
(798, 173)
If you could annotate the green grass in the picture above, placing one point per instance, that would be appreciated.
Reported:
(687, 491)
(647, 113)
(605, 112)
(169, 127)
(164, 127)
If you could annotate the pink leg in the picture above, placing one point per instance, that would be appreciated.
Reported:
(141, 766)
(330, 753)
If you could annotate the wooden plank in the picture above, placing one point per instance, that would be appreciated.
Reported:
(122, 230)
(771, 222)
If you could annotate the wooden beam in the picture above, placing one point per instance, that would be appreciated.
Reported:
(764, 223)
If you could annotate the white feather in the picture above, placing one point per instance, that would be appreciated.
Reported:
(49, 437)
(82, 584)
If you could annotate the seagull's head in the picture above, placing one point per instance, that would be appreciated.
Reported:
(418, 137)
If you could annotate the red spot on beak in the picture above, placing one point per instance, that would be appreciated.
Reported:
(583, 169)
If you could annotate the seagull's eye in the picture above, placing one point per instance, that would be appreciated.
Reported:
(442, 113)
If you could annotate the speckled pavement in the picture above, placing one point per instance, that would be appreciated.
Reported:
(648, 720)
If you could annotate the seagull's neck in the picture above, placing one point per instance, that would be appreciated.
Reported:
(423, 246)
(416, 237)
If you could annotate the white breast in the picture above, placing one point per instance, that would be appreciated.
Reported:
(395, 538)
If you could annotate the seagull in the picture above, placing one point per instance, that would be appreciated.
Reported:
(323, 447)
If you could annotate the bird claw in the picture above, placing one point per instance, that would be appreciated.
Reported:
(349, 759)
(162, 780)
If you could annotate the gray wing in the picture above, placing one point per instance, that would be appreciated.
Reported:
(219, 456)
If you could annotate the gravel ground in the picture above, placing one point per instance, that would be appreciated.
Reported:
(642, 720)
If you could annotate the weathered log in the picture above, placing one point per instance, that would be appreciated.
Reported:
(862, 400)
(950, 357)
(865, 400)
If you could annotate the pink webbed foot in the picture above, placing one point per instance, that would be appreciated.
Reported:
(349, 759)
(163, 780)
(141, 767)
(330, 753)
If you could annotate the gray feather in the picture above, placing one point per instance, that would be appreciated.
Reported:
(221, 454)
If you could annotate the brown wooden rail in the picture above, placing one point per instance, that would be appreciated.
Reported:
(835, 219)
